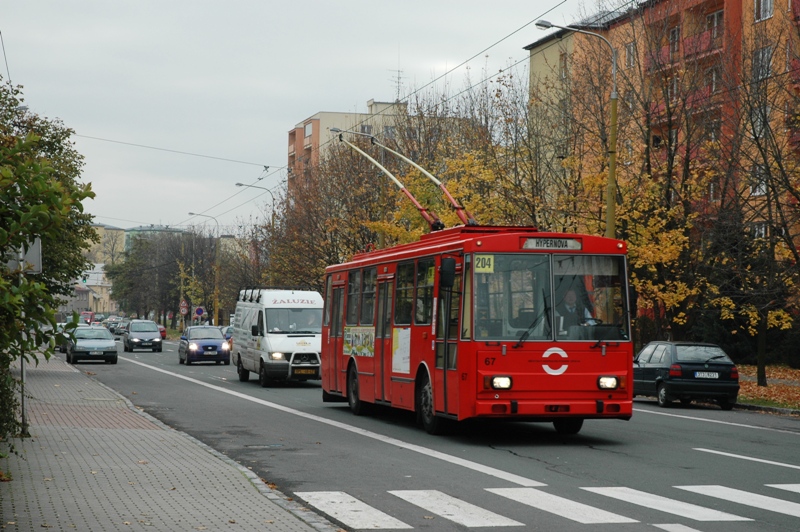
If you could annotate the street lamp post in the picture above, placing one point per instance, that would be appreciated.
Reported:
(270, 195)
(611, 190)
(216, 266)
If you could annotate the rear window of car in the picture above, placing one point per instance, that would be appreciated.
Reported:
(701, 353)
(147, 326)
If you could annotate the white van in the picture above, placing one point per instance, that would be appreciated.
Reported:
(277, 334)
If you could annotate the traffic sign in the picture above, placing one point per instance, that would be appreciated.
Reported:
(199, 311)
(184, 307)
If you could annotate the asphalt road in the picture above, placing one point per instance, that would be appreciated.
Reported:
(680, 469)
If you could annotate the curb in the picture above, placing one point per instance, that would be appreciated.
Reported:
(767, 409)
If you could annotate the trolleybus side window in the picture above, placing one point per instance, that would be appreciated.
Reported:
(353, 297)
(423, 311)
(404, 295)
(326, 319)
(368, 297)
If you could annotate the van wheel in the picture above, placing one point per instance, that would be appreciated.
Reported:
(357, 406)
(244, 374)
(263, 380)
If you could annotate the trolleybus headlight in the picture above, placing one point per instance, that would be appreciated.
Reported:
(497, 382)
(608, 383)
(276, 356)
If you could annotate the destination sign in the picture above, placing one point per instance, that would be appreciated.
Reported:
(552, 243)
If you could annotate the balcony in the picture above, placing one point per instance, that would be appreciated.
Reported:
(702, 44)
(663, 57)
(699, 98)
(794, 71)
(796, 12)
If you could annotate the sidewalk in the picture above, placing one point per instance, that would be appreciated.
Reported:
(94, 462)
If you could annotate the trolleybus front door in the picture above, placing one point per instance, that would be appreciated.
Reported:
(447, 335)
(383, 342)
(334, 347)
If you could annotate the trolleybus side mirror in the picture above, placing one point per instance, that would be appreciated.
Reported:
(447, 273)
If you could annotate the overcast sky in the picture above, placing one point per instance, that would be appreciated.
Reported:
(229, 79)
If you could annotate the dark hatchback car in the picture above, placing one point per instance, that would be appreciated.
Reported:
(141, 334)
(92, 343)
(203, 343)
(686, 371)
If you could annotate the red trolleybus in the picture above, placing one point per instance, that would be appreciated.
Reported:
(483, 322)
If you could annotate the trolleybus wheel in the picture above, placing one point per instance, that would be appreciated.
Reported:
(357, 406)
(425, 409)
(568, 426)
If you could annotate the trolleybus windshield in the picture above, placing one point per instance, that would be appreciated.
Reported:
(547, 297)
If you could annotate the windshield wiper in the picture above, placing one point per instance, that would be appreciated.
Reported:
(536, 320)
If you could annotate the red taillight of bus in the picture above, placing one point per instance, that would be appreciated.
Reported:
(675, 370)
(735, 373)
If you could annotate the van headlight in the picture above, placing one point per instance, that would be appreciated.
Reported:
(276, 356)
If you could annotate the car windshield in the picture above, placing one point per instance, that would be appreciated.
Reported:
(205, 333)
(701, 353)
(92, 334)
(146, 326)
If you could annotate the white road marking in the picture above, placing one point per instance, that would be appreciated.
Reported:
(788, 487)
(750, 458)
(453, 509)
(676, 528)
(575, 511)
(718, 422)
(430, 453)
(351, 511)
(746, 498)
(663, 504)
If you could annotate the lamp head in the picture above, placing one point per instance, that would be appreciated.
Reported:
(335, 130)
(543, 24)
(239, 184)
(192, 214)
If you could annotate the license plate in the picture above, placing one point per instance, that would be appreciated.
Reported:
(305, 371)
(95, 352)
(146, 344)
(706, 375)
(210, 352)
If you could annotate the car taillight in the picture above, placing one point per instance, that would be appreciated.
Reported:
(735, 373)
(675, 370)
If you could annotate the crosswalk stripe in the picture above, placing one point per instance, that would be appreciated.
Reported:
(676, 528)
(663, 504)
(748, 499)
(787, 487)
(554, 504)
(456, 510)
(350, 510)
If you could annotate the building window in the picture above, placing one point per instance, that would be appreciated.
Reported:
(763, 9)
(714, 23)
(713, 192)
(713, 126)
(674, 42)
(673, 86)
(366, 129)
(308, 129)
(712, 79)
(562, 65)
(759, 120)
(388, 132)
(630, 55)
(759, 229)
(762, 63)
(758, 186)
(673, 137)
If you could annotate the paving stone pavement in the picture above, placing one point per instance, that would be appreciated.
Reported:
(93, 462)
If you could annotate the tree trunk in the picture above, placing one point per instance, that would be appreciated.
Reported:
(762, 351)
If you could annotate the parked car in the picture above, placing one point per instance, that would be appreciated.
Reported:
(686, 371)
(92, 343)
(60, 327)
(203, 343)
(163, 331)
(141, 334)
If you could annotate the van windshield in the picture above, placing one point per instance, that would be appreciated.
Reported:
(294, 320)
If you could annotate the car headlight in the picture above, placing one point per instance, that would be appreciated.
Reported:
(225, 346)
(608, 383)
(193, 346)
(497, 382)
(135, 340)
(156, 339)
(276, 356)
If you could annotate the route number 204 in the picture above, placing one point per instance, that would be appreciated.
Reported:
(484, 263)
